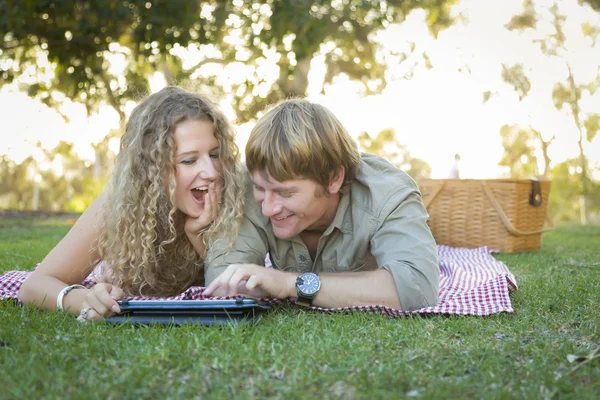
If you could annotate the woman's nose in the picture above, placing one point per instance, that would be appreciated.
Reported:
(207, 170)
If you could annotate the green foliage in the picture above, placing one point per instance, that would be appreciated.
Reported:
(16, 183)
(591, 124)
(564, 194)
(516, 77)
(562, 94)
(565, 201)
(519, 152)
(387, 146)
(293, 353)
(527, 19)
(91, 189)
(79, 39)
(59, 49)
(72, 189)
(566, 96)
(595, 4)
(520, 145)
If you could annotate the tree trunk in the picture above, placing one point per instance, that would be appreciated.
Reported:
(574, 102)
(35, 201)
(97, 162)
(544, 145)
(294, 85)
(583, 209)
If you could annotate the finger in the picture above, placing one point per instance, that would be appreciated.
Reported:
(90, 315)
(219, 284)
(208, 204)
(255, 287)
(116, 293)
(214, 202)
(93, 315)
(240, 277)
(219, 191)
(106, 298)
(97, 304)
(216, 198)
(253, 282)
(212, 288)
(217, 291)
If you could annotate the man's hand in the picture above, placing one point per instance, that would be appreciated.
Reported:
(253, 281)
(194, 225)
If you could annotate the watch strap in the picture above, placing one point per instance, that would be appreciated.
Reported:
(304, 301)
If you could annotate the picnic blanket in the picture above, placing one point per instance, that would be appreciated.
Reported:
(472, 282)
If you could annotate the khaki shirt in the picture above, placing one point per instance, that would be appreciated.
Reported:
(380, 223)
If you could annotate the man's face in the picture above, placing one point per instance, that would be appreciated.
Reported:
(295, 205)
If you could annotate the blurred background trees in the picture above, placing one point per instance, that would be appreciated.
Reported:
(388, 146)
(251, 54)
(572, 178)
(107, 51)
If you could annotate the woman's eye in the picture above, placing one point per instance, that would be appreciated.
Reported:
(188, 162)
(214, 155)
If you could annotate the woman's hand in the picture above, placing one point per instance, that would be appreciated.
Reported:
(101, 301)
(194, 225)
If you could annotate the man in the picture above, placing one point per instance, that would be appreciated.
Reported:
(340, 228)
(454, 171)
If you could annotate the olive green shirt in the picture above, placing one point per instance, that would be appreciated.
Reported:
(380, 223)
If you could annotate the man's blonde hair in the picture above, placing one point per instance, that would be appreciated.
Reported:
(300, 139)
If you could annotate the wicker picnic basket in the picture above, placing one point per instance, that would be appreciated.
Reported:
(504, 215)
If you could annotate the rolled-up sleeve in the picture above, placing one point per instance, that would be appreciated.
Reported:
(249, 247)
(403, 244)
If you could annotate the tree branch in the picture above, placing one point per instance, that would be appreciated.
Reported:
(190, 71)
(112, 100)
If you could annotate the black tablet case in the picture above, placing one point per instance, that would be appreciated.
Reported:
(198, 312)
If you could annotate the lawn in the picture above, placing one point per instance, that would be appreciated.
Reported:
(538, 352)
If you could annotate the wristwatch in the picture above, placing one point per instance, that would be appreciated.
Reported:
(308, 284)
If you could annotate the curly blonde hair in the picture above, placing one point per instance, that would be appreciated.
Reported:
(142, 238)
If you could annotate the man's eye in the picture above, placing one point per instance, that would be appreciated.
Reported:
(285, 194)
(258, 188)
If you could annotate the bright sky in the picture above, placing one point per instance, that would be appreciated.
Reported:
(437, 113)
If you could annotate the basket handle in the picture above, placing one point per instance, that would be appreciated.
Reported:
(435, 193)
(505, 220)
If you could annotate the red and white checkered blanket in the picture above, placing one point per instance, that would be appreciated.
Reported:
(472, 282)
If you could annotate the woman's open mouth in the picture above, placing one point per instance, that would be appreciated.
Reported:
(199, 193)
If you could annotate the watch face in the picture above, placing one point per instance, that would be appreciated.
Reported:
(309, 283)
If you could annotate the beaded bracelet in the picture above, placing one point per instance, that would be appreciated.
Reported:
(63, 293)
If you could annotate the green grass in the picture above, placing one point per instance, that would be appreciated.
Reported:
(296, 354)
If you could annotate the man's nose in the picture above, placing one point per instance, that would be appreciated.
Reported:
(270, 207)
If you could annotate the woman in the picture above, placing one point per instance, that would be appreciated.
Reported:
(176, 186)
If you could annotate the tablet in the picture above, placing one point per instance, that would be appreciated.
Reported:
(198, 312)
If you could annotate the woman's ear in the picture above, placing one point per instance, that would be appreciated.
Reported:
(337, 180)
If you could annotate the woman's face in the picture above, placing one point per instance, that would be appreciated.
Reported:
(196, 164)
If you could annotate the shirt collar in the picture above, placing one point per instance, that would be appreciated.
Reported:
(343, 216)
